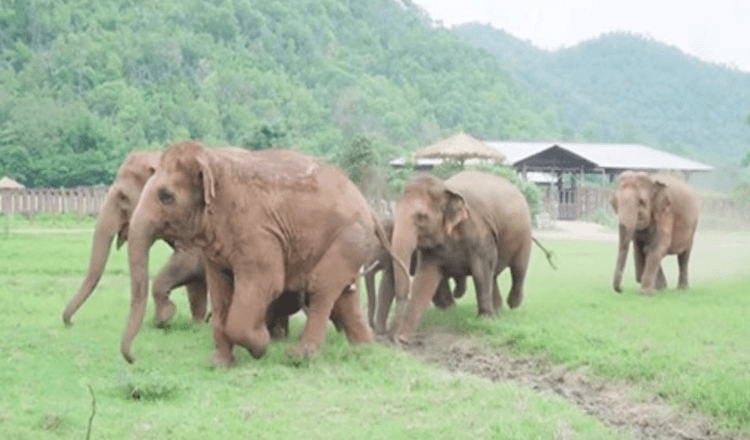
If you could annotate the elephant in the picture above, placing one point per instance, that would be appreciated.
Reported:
(185, 267)
(381, 305)
(277, 221)
(659, 214)
(474, 223)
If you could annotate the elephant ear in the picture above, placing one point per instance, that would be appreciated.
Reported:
(206, 176)
(456, 211)
(659, 198)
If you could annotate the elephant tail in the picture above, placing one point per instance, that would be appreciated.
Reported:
(383, 238)
(547, 253)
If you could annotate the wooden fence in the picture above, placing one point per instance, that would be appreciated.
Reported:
(84, 200)
(572, 204)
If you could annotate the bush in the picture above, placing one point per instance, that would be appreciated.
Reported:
(602, 217)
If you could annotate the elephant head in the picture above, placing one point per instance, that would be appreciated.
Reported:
(427, 216)
(638, 201)
(114, 218)
(173, 206)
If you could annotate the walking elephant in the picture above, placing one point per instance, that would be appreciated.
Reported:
(378, 308)
(277, 221)
(659, 214)
(472, 224)
(185, 267)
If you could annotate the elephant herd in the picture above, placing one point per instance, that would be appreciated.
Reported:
(271, 232)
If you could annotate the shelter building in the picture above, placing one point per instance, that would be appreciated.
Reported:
(551, 164)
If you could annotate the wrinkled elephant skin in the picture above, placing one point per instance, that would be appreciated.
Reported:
(659, 215)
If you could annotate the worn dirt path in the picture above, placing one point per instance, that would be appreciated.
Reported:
(612, 403)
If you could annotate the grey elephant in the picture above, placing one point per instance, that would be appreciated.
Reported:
(474, 224)
(659, 214)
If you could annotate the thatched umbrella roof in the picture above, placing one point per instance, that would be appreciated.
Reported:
(8, 183)
(460, 147)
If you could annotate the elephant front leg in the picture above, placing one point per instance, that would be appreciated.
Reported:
(254, 290)
(652, 269)
(460, 289)
(221, 297)
(423, 289)
(622, 252)
(639, 258)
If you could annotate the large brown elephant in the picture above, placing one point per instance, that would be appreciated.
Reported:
(659, 214)
(381, 305)
(277, 221)
(185, 268)
(472, 224)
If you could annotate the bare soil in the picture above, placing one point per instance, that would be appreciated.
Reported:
(615, 404)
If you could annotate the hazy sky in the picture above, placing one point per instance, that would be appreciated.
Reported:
(712, 30)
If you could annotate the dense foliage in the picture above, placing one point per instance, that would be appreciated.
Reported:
(627, 88)
(82, 83)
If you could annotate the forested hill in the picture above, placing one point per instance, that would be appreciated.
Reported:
(627, 88)
(84, 82)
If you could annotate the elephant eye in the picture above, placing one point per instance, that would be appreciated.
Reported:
(166, 196)
(420, 218)
(642, 203)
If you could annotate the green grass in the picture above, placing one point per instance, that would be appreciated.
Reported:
(692, 348)
(172, 391)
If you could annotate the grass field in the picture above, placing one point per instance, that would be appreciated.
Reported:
(692, 348)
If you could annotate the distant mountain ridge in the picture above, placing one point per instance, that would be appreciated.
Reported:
(623, 87)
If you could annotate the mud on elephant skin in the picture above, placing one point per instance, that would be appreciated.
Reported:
(659, 215)
(473, 224)
(278, 220)
(183, 269)
(378, 307)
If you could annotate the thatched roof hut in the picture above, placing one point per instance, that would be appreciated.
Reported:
(460, 147)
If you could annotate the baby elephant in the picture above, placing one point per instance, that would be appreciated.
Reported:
(659, 215)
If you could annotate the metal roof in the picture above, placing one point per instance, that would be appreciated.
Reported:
(605, 156)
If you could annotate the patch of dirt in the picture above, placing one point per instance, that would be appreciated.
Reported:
(612, 403)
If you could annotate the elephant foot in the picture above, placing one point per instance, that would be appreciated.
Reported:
(647, 292)
(221, 359)
(278, 332)
(683, 286)
(304, 348)
(164, 314)
(514, 302)
(617, 288)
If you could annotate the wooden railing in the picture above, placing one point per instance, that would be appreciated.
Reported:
(84, 200)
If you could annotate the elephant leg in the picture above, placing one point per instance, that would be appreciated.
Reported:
(460, 289)
(682, 261)
(497, 298)
(443, 298)
(346, 312)
(651, 269)
(661, 280)
(198, 298)
(518, 266)
(179, 270)
(332, 275)
(483, 281)
(425, 283)
(386, 293)
(254, 291)
(639, 257)
(221, 297)
(277, 317)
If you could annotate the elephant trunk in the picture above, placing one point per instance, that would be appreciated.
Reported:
(142, 233)
(404, 245)
(626, 236)
(107, 225)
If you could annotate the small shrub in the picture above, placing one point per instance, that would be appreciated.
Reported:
(602, 217)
